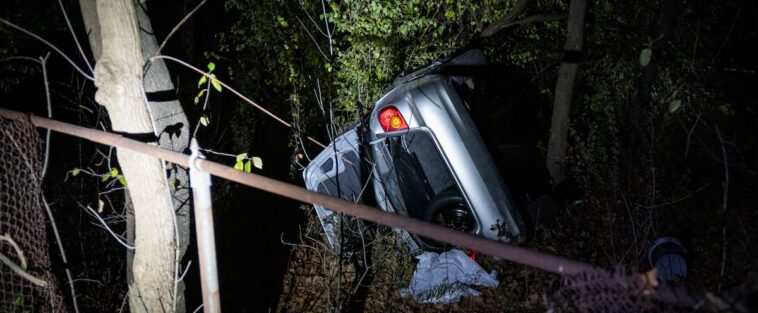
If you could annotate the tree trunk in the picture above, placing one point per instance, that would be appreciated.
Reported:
(172, 128)
(118, 76)
(564, 89)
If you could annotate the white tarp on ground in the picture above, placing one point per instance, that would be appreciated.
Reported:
(446, 277)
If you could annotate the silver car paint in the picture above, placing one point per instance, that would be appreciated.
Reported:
(431, 103)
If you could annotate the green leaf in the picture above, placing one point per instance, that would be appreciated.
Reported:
(258, 162)
(121, 180)
(202, 81)
(216, 84)
(114, 172)
(247, 166)
(241, 157)
(199, 94)
(73, 172)
(645, 56)
(675, 105)
(204, 120)
(239, 165)
(105, 177)
(211, 66)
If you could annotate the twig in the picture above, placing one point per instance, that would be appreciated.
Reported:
(725, 200)
(328, 31)
(729, 33)
(20, 270)
(186, 270)
(73, 35)
(689, 134)
(123, 302)
(43, 63)
(673, 201)
(20, 253)
(186, 17)
(314, 39)
(312, 20)
(76, 67)
(63, 253)
(232, 90)
(107, 228)
(517, 9)
(198, 309)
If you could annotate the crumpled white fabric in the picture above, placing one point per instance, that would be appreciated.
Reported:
(446, 277)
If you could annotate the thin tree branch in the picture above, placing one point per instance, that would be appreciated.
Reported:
(43, 63)
(186, 17)
(537, 18)
(20, 270)
(63, 254)
(312, 20)
(515, 12)
(328, 31)
(724, 203)
(107, 228)
(232, 90)
(73, 35)
(35, 36)
(314, 39)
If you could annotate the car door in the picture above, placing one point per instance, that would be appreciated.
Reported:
(336, 171)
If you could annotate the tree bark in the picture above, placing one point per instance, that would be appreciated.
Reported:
(564, 89)
(172, 129)
(118, 76)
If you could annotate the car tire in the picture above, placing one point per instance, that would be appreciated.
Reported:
(448, 209)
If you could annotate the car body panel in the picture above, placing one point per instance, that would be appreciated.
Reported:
(440, 150)
(337, 172)
(432, 104)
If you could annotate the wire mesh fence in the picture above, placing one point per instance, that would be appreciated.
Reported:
(26, 281)
(620, 290)
(27, 284)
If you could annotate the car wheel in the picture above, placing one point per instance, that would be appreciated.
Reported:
(449, 209)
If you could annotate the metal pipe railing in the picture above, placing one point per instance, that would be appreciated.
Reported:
(539, 260)
(200, 182)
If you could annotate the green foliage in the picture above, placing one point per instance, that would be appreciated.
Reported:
(645, 56)
(244, 163)
(73, 172)
(288, 50)
(203, 80)
(113, 174)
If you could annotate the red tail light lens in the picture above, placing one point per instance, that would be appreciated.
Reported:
(391, 119)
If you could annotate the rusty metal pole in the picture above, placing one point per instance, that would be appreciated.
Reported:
(540, 260)
(200, 181)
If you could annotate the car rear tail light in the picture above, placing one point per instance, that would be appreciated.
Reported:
(391, 119)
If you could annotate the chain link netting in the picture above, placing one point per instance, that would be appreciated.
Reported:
(26, 281)
(621, 291)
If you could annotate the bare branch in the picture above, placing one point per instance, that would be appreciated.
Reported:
(107, 228)
(78, 45)
(232, 90)
(186, 17)
(76, 67)
(517, 9)
(20, 270)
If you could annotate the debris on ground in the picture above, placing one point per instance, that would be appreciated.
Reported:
(446, 277)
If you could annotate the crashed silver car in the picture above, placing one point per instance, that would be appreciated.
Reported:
(417, 154)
